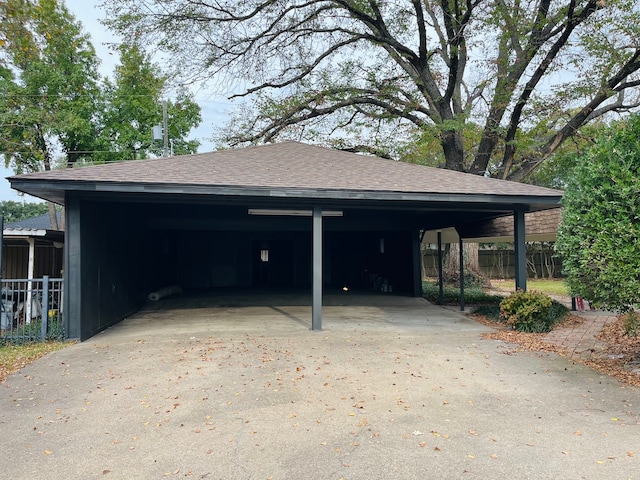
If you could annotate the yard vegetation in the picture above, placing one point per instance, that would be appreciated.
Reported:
(599, 236)
(546, 286)
(451, 294)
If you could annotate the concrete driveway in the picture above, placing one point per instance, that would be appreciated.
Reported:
(390, 389)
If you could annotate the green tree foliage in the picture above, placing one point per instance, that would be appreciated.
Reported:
(13, 211)
(599, 237)
(56, 110)
(556, 171)
(49, 92)
(134, 106)
(489, 85)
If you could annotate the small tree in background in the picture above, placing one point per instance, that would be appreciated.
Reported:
(49, 87)
(599, 237)
(14, 211)
(133, 105)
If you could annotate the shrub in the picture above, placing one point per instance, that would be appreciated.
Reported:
(632, 324)
(532, 312)
(490, 311)
(599, 237)
(558, 312)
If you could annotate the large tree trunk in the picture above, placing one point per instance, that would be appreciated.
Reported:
(451, 268)
(453, 149)
(53, 217)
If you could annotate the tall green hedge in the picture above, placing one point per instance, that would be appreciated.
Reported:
(599, 237)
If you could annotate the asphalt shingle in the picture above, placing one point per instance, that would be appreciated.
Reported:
(291, 165)
(41, 222)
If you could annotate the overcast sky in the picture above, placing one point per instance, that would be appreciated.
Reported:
(214, 107)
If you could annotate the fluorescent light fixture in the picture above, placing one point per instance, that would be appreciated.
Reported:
(292, 213)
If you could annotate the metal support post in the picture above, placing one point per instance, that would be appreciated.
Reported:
(165, 130)
(417, 265)
(45, 307)
(461, 277)
(316, 309)
(520, 248)
(440, 276)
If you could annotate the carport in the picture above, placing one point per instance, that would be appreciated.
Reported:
(279, 216)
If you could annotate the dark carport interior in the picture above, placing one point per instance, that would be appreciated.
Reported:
(131, 249)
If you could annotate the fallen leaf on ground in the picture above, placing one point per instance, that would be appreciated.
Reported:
(612, 335)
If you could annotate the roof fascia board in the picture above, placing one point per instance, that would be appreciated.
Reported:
(236, 191)
(23, 232)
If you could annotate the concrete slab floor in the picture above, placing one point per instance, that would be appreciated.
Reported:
(402, 390)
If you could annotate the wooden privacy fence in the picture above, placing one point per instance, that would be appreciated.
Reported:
(31, 310)
(500, 263)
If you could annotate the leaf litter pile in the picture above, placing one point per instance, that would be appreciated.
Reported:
(619, 356)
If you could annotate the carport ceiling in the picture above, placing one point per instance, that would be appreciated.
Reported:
(290, 174)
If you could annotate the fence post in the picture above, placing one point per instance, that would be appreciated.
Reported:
(45, 306)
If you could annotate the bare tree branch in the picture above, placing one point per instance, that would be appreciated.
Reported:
(571, 127)
(473, 76)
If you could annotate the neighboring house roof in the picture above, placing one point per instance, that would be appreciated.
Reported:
(41, 222)
(288, 169)
(540, 226)
(39, 226)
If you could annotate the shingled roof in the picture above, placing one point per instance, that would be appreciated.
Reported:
(41, 222)
(291, 166)
(540, 226)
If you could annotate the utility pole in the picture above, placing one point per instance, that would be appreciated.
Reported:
(161, 132)
(165, 130)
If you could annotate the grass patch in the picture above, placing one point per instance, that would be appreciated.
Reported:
(451, 295)
(548, 287)
(14, 357)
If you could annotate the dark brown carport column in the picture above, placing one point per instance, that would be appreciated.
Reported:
(417, 264)
(316, 306)
(72, 316)
(461, 261)
(440, 279)
(520, 250)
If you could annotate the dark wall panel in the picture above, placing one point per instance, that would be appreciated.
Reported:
(217, 259)
(15, 261)
(373, 260)
(47, 261)
(112, 265)
(212, 259)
